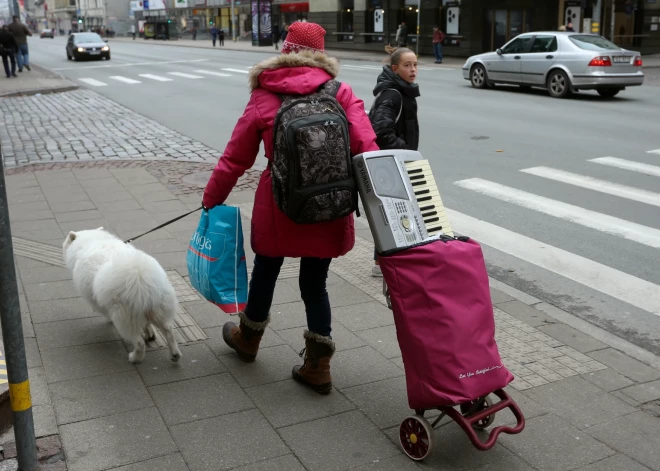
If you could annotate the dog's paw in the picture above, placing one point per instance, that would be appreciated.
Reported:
(176, 356)
(133, 358)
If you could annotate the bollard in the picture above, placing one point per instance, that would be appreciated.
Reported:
(12, 336)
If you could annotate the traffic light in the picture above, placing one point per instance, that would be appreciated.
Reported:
(169, 21)
(79, 20)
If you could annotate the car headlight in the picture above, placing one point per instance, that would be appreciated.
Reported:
(105, 48)
(81, 49)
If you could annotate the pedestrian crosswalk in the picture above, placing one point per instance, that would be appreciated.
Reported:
(198, 74)
(638, 292)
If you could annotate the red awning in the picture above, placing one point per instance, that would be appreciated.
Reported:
(301, 7)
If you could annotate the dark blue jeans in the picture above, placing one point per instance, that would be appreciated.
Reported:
(312, 280)
(7, 58)
(437, 50)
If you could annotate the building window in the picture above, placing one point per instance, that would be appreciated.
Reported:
(501, 26)
(345, 20)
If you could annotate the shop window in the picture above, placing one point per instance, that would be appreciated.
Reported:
(501, 26)
(374, 25)
(345, 20)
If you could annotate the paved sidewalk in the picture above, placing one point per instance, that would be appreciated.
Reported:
(246, 46)
(37, 80)
(590, 403)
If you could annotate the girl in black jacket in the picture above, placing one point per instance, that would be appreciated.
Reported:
(394, 112)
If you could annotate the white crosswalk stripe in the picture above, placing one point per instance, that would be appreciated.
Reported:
(591, 219)
(93, 82)
(119, 78)
(240, 71)
(595, 184)
(210, 72)
(184, 75)
(628, 165)
(157, 78)
(656, 151)
(627, 288)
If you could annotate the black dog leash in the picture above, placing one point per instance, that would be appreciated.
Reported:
(163, 225)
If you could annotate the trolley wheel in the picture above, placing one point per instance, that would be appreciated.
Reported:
(487, 421)
(416, 437)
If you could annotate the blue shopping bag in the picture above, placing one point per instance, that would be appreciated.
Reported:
(216, 259)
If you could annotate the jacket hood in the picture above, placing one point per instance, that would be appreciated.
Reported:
(388, 79)
(294, 74)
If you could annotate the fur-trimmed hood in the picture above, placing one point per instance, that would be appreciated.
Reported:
(270, 69)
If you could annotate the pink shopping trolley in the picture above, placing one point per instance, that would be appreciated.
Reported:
(440, 297)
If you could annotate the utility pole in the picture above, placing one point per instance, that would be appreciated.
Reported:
(419, 8)
(233, 21)
(17, 11)
(613, 22)
(12, 337)
(596, 17)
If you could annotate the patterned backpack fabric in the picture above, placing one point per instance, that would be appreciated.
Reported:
(311, 168)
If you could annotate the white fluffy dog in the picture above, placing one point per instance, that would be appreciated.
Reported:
(124, 284)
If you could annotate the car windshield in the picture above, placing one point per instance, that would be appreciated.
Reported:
(593, 43)
(88, 38)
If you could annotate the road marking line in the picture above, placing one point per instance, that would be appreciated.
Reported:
(627, 288)
(595, 184)
(188, 76)
(585, 217)
(158, 78)
(130, 64)
(119, 78)
(362, 67)
(240, 71)
(656, 151)
(93, 82)
(628, 165)
(209, 72)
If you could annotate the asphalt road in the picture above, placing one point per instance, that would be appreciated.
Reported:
(587, 241)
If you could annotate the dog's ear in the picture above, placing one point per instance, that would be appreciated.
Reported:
(72, 236)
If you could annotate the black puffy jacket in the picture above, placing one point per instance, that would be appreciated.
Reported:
(390, 133)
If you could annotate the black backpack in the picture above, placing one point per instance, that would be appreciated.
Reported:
(312, 166)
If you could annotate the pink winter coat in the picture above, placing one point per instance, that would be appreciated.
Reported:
(273, 233)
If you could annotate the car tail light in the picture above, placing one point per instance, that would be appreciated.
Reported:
(638, 61)
(600, 61)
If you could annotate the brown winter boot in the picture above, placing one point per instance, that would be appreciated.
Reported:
(315, 372)
(244, 337)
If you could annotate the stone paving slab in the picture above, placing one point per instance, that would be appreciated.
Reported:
(200, 410)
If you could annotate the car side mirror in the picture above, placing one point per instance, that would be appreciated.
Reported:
(499, 51)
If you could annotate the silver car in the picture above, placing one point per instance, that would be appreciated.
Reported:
(560, 62)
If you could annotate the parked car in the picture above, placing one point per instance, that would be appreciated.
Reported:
(47, 33)
(87, 45)
(561, 62)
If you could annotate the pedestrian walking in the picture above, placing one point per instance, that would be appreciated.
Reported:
(569, 27)
(393, 114)
(438, 39)
(214, 35)
(8, 48)
(21, 32)
(284, 31)
(221, 37)
(402, 40)
(300, 70)
(133, 31)
(194, 33)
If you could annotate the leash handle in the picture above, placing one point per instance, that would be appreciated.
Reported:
(164, 224)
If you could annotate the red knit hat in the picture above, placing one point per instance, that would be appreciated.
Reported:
(304, 36)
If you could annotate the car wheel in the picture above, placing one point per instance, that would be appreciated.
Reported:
(558, 84)
(479, 77)
(608, 92)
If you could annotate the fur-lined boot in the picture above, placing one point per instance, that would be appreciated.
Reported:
(244, 337)
(315, 372)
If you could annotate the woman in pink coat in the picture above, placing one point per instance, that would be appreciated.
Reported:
(299, 70)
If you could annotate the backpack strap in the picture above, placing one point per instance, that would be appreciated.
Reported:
(400, 109)
(331, 87)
